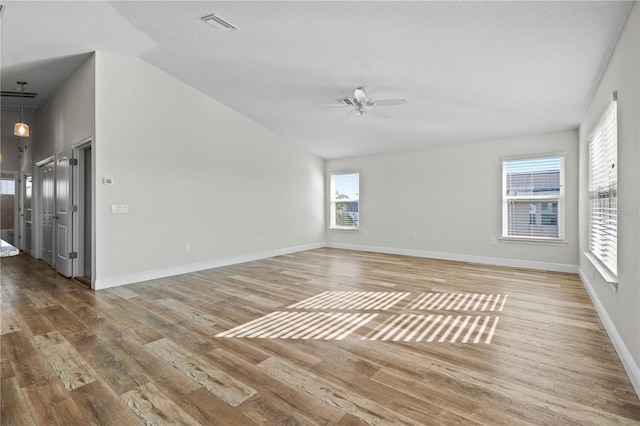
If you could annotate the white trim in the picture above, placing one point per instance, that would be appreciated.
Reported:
(559, 198)
(102, 283)
(632, 369)
(17, 203)
(606, 273)
(79, 184)
(528, 156)
(498, 261)
(535, 240)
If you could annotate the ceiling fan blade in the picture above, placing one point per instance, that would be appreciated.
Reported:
(349, 114)
(379, 113)
(389, 102)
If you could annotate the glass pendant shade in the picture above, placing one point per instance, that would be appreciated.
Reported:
(21, 129)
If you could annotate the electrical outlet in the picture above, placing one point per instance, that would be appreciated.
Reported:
(187, 247)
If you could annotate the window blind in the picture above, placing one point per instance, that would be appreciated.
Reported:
(603, 187)
(8, 186)
(345, 200)
(533, 198)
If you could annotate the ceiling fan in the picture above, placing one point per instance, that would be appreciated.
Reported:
(361, 104)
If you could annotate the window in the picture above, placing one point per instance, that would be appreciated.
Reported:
(8, 184)
(603, 187)
(533, 198)
(345, 204)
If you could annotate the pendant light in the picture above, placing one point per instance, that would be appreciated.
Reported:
(21, 129)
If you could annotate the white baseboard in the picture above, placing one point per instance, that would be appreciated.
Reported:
(629, 364)
(515, 263)
(102, 283)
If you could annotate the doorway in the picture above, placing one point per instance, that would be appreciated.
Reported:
(83, 224)
(65, 211)
(27, 214)
(9, 207)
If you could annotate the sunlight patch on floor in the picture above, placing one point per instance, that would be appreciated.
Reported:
(330, 316)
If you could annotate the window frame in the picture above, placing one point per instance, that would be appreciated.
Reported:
(607, 266)
(549, 198)
(333, 201)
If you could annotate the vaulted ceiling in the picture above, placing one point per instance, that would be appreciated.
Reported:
(470, 71)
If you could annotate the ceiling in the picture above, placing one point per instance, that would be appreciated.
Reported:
(470, 71)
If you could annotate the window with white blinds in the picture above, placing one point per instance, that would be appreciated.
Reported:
(533, 198)
(345, 200)
(8, 185)
(603, 187)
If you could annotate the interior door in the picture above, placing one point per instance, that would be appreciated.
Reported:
(64, 214)
(47, 211)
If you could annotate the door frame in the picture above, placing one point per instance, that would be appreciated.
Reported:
(78, 189)
(16, 206)
(24, 177)
(37, 205)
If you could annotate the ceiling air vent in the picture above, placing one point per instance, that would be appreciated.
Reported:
(219, 23)
(17, 94)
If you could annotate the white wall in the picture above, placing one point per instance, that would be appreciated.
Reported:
(68, 117)
(454, 194)
(10, 154)
(619, 310)
(192, 171)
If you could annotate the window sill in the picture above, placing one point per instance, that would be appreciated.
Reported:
(340, 228)
(606, 274)
(542, 241)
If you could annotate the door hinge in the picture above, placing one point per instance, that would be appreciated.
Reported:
(74, 208)
(73, 161)
(73, 255)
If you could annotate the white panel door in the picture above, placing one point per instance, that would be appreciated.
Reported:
(47, 202)
(64, 214)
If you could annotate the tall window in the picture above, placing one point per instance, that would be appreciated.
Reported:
(603, 187)
(345, 204)
(533, 198)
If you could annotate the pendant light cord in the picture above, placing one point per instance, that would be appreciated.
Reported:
(22, 83)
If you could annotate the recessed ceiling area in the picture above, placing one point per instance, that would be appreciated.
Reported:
(470, 71)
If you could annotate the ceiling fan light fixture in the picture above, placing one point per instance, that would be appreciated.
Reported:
(21, 129)
(361, 104)
(219, 23)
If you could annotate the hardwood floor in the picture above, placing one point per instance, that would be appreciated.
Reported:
(319, 337)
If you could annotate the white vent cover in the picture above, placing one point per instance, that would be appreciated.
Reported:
(219, 23)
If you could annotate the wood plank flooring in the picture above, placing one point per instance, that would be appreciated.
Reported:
(319, 337)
